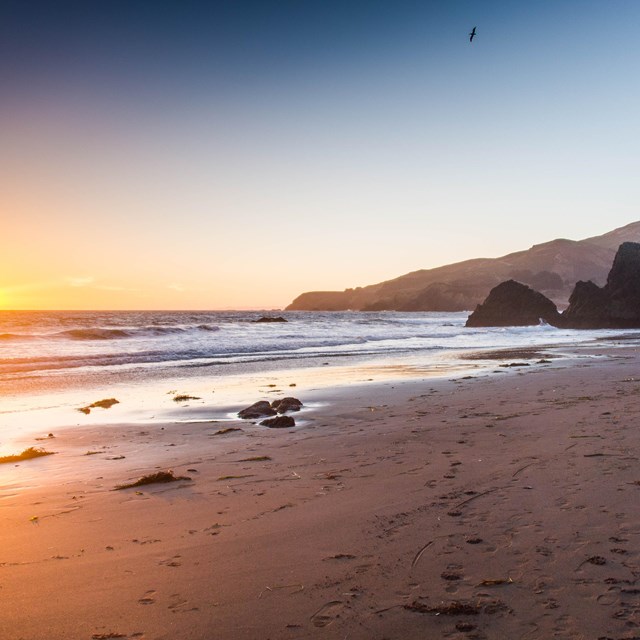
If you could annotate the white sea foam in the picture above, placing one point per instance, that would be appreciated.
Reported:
(44, 348)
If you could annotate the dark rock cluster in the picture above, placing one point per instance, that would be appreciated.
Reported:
(263, 409)
(614, 306)
(271, 319)
(617, 304)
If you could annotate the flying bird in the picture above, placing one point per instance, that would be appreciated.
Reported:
(472, 34)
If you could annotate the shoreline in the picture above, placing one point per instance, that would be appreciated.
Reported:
(390, 509)
(145, 400)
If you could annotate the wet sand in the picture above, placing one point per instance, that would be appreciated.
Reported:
(504, 505)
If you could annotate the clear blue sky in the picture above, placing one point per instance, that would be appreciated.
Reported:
(234, 154)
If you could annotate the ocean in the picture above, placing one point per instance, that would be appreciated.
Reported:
(55, 361)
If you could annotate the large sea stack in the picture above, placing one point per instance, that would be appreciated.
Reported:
(513, 304)
(617, 304)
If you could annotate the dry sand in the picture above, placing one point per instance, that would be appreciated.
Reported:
(502, 506)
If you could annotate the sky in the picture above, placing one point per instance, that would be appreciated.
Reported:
(234, 154)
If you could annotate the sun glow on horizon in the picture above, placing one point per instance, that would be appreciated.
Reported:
(168, 160)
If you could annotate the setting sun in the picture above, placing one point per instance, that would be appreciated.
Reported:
(319, 319)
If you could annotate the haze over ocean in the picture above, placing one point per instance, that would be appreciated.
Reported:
(218, 155)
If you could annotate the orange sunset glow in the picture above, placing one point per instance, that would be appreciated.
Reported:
(319, 320)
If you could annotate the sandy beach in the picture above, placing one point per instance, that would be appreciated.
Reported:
(500, 505)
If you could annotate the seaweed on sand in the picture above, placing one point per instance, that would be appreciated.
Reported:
(105, 403)
(152, 478)
(183, 397)
(455, 608)
(27, 454)
(221, 432)
(458, 608)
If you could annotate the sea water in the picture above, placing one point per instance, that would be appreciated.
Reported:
(59, 360)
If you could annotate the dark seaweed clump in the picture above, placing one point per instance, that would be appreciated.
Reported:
(153, 478)
(27, 454)
(102, 404)
(183, 397)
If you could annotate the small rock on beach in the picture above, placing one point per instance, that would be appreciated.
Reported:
(279, 422)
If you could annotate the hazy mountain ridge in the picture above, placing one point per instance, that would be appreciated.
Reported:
(552, 268)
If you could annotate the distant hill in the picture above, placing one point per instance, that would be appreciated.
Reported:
(552, 268)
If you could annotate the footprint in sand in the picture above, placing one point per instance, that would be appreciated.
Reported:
(148, 598)
(327, 613)
(180, 605)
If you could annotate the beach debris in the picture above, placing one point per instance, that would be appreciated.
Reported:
(152, 478)
(288, 505)
(34, 519)
(106, 403)
(495, 582)
(286, 404)
(420, 552)
(298, 588)
(603, 455)
(27, 454)
(92, 453)
(477, 495)
(47, 437)
(221, 432)
(341, 556)
(271, 319)
(526, 466)
(246, 475)
(183, 397)
(108, 636)
(257, 410)
(279, 422)
(256, 459)
(455, 608)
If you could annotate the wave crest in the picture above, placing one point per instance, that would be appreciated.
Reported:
(94, 334)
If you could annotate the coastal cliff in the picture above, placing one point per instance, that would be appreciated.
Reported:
(552, 268)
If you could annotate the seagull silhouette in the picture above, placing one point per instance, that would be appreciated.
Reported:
(472, 34)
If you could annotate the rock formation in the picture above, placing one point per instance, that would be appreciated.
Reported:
(257, 410)
(513, 304)
(614, 306)
(263, 408)
(279, 422)
(286, 404)
(271, 319)
(617, 304)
